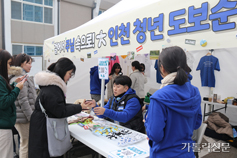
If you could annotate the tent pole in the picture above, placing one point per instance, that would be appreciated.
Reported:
(97, 8)
(102, 92)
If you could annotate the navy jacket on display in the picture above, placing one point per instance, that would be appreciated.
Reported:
(95, 81)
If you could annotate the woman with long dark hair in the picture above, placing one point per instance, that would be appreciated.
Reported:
(138, 80)
(116, 70)
(174, 110)
(8, 95)
(53, 88)
(25, 101)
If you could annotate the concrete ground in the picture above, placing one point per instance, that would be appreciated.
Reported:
(222, 152)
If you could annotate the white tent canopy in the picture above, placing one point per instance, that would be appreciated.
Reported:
(141, 26)
(193, 21)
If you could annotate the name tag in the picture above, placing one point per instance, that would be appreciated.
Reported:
(120, 108)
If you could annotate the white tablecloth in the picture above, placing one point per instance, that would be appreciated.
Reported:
(101, 144)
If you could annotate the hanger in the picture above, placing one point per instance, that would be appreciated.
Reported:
(210, 52)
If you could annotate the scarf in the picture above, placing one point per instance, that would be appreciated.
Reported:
(169, 79)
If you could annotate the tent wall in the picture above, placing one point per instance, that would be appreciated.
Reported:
(197, 20)
(225, 78)
(79, 86)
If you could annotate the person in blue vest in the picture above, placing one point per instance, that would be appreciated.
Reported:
(123, 107)
(174, 110)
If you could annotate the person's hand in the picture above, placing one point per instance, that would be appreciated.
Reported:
(110, 77)
(144, 107)
(21, 84)
(99, 110)
(19, 79)
(84, 106)
(90, 103)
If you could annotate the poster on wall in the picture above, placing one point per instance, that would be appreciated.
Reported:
(154, 54)
(131, 55)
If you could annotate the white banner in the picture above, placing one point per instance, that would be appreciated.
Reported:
(141, 26)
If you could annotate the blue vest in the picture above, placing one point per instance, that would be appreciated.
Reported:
(136, 123)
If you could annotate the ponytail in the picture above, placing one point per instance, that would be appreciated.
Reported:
(137, 65)
(143, 67)
(51, 67)
(140, 68)
(181, 76)
(173, 59)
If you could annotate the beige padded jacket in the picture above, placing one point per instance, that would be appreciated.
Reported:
(25, 102)
(138, 81)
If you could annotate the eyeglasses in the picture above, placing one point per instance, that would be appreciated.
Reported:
(72, 75)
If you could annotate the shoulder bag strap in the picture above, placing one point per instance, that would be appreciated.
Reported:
(55, 124)
(42, 108)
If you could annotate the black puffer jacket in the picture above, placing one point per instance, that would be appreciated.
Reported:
(52, 97)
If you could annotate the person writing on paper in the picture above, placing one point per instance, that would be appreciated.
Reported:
(8, 95)
(53, 88)
(123, 107)
(174, 110)
(25, 101)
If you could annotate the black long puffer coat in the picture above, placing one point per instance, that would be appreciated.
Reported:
(52, 97)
